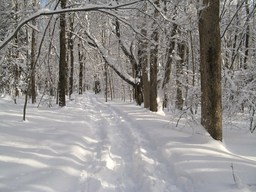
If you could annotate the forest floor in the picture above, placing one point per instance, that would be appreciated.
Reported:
(93, 146)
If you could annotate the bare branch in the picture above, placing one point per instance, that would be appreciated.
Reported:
(46, 12)
(107, 58)
(225, 30)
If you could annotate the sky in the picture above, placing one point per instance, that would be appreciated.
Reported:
(43, 2)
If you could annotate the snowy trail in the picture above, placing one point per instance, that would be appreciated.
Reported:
(129, 158)
(93, 146)
(175, 160)
(113, 153)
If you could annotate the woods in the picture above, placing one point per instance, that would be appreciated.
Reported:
(190, 57)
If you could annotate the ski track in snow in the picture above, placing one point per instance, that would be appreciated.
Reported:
(94, 146)
(123, 153)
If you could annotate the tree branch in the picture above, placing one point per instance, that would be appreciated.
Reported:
(107, 58)
(46, 12)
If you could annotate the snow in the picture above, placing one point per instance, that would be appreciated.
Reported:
(91, 146)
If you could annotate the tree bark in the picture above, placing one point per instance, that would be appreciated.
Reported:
(143, 61)
(179, 67)
(153, 63)
(247, 37)
(15, 56)
(71, 51)
(32, 80)
(33, 61)
(63, 57)
(80, 57)
(145, 79)
(210, 55)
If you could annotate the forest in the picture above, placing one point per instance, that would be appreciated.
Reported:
(127, 95)
(193, 57)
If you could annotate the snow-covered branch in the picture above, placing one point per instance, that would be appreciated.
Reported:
(124, 47)
(46, 12)
(110, 61)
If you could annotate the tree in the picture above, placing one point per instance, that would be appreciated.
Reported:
(143, 55)
(71, 51)
(143, 61)
(62, 61)
(32, 83)
(153, 62)
(81, 67)
(182, 47)
(210, 68)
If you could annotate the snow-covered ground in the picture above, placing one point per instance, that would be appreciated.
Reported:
(91, 146)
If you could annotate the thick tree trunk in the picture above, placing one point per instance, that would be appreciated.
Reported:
(153, 63)
(63, 57)
(143, 61)
(153, 77)
(138, 85)
(210, 55)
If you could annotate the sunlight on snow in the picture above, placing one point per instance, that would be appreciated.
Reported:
(24, 161)
(111, 159)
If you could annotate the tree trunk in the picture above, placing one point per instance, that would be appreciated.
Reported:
(33, 61)
(210, 55)
(143, 60)
(247, 37)
(15, 56)
(63, 57)
(136, 66)
(168, 65)
(145, 80)
(179, 68)
(80, 57)
(71, 50)
(106, 81)
(138, 85)
(110, 86)
(153, 63)
(32, 72)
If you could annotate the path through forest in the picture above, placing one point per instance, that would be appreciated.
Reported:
(91, 146)
(126, 159)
